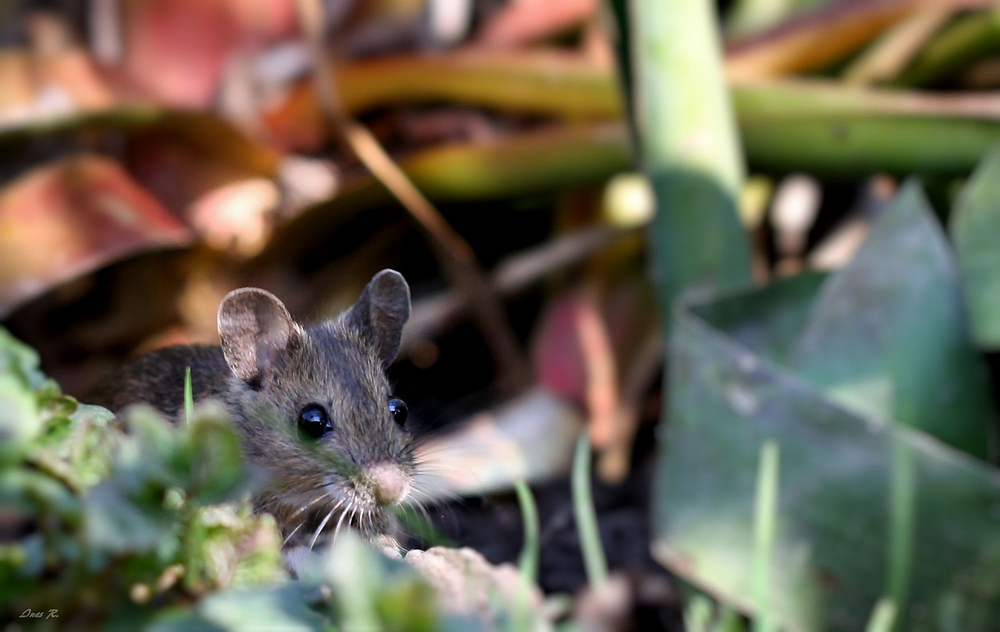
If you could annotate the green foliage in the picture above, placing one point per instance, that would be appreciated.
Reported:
(114, 524)
(886, 335)
(975, 229)
(860, 378)
(150, 525)
(349, 585)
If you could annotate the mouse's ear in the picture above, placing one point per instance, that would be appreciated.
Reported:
(381, 311)
(253, 326)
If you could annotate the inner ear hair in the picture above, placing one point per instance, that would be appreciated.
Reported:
(253, 326)
(381, 311)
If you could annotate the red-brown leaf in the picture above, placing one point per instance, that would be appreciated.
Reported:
(68, 218)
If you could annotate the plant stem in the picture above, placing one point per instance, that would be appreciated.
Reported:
(586, 518)
(528, 561)
(688, 146)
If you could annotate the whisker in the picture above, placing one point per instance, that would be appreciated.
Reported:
(323, 524)
(303, 491)
(340, 523)
(308, 505)
(426, 490)
(292, 533)
(423, 510)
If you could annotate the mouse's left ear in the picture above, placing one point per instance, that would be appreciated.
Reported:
(381, 311)
(253, 326)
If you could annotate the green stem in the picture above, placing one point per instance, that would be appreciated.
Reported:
(688, 146)
(586, 518)
(528, 561)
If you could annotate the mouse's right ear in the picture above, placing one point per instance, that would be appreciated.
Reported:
(380, 313)
(253, 326)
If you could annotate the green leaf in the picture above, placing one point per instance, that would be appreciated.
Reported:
(886, 335)
(975, 229)
(19, 359)
(52, 402)
(19, 421)
(730, 389)
(217, 472)
(92, 446)
(282, 607)
(30, 493)
(123, 520)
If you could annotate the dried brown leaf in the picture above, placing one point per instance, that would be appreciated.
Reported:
(65, 219)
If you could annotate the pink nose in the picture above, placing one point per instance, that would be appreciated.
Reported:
(389, 482)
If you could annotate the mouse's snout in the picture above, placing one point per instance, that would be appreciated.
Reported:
(389, 482)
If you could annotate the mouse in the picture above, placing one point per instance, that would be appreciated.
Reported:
(311, 403)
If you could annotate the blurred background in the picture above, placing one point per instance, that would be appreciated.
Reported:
(781, 188)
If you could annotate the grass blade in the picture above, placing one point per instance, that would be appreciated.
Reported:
(188, 397)
(528, 561)
(883, 616)
(902, 506)
(764, 520)
(698, 614)
(586, 518)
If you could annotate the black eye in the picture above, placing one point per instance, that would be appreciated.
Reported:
(314, 421)
(398, 409)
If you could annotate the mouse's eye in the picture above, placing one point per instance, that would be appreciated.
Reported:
(398, 409)
(314, 421)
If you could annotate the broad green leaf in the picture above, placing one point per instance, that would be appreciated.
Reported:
(730, 390)
(886, 335)
(975, 229)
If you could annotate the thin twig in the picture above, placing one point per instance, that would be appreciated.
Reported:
(434, 314)
(454, 254)
(599, 366)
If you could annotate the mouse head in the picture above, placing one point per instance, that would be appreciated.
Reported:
(315, 407)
